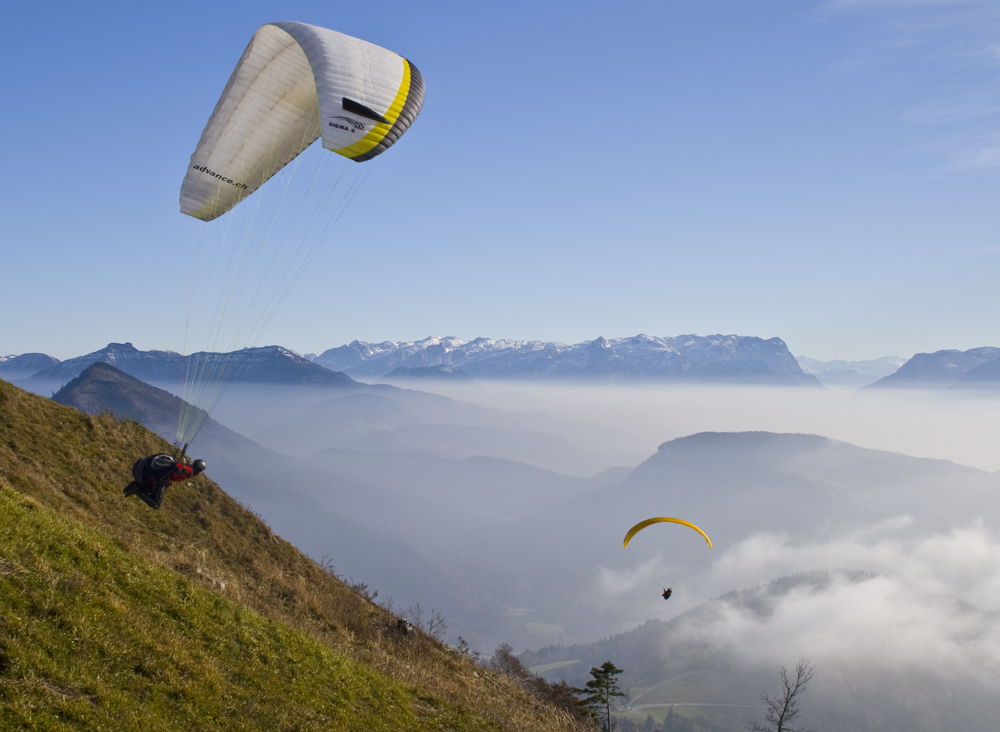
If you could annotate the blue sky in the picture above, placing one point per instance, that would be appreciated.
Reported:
(824, 172)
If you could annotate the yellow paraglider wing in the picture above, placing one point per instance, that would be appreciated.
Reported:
(661, 519)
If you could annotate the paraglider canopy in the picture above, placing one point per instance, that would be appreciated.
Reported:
(296, 83)
(663, 519)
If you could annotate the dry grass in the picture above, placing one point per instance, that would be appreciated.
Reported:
(77, 465)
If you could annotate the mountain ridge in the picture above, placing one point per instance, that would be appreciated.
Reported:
(16, 367)
(939, 369)
(265, 364)
(716, 358)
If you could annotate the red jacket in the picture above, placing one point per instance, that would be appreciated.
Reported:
(180, 472)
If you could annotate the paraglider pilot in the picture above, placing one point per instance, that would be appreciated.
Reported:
(154, 474)
(667, 592)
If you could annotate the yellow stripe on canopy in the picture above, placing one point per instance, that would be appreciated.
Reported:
(381, 129)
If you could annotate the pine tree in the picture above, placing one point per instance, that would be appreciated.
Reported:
(599, 692)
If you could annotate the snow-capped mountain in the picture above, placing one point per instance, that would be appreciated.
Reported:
(21, 367)
(716, 358)
(267, 364)
(144, 365)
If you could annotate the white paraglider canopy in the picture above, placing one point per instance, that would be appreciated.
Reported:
(294, 84)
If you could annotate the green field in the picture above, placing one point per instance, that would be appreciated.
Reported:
(540, 670)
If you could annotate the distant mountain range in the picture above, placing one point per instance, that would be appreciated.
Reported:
(13, 368)
(850, 374)
(975, 368)
(166, 369)
(713, 359)
(716, 358)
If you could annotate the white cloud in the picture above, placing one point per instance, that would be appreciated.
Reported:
(964, 562)
(948, 48)
(908, 615)
(982, 153)
(854, 4)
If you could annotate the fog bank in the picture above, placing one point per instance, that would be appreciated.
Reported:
(962, 428)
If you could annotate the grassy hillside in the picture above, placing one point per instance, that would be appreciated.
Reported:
(195, 616)
(393, 520)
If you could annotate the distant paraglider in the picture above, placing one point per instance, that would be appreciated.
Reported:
(663, 519)
(667, 592)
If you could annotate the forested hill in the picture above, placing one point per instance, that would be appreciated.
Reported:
(196, 616)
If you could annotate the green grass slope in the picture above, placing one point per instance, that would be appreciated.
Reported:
(117, 617)
(96, 636)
